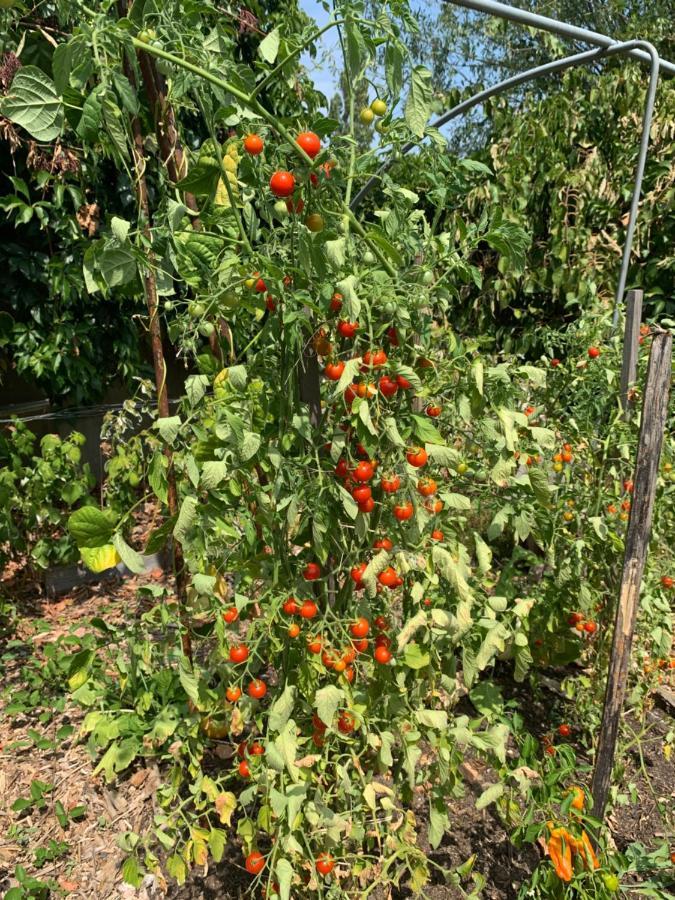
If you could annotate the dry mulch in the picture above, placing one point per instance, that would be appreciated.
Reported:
(92, 866)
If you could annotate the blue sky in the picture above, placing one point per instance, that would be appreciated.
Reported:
(328, 50)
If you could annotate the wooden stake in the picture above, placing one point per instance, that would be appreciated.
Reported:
(654, 414)
(631, 344)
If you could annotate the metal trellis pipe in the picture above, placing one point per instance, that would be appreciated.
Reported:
(544, 23)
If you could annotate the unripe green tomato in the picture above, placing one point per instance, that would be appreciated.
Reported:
(230, 300)
(390, 308)
(611, 882)
(315, 222)
(379, 107)
(368, 258)
(366, 115)
(206, 329)
(427, 277)
(168, 305)
(462, 468)
(343, 225)
(380, 127)
(481, 475)
(196, 310)
(134, 479)
(280, 209)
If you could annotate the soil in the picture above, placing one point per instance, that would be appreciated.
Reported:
(91, 866)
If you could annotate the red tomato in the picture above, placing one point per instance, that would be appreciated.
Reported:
(231, 615)
(390, 483)
(388, 387)
(309, 142)
(282, 184)
(628, 486)
(361, 493)
(393, 336)
(290, 606)
(667, 581)
(260, 287)
(233, 693)
(335, 302)
(257, 689)
(567, 456)
(311, 572)
(434, 507)
(350, 394)
(255, 863)
(564, 730)
(403, 511)
(388, 577)
(426, 487)
(360, 628)
(270, 303)
(555, 363)
(293, 630)
(381, 623)
(366, 390)
(325, 864)
(383, 544)
(314, 645)
(437, 535)
(295, 206)
(318, 723)
(382, 640)
(342, 469)
(253, 144)
(360, 646)
(346, 722)
(593, 352)
(334, 370)
(364, 471)
(357, 572)
(374, 359)
(574, 617)
(403, 383)
(309, 609)
(590, 627)
(347, 329)
(433, 410)
(238, 653)
(417, 456)
(245, 772)
(367, 506)
(382, 655)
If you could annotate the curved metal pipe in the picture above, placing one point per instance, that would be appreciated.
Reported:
(544, 23)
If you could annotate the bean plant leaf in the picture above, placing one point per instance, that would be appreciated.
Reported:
(130, 557)
(91, 526)
(418, 104)
(33, 103)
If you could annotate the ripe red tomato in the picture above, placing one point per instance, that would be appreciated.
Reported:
(335, 302)
(555, 363)
(365, 390)
(667, 581)
(567, 456)
(434, 507)
(282, 184)
(403, 383)
(253, 144)
(590, 627)
(390, 483)
(309, 609)
(388, 387)
(373, 359)
(309, 142)
(550, 749)
(346, 722)
(295, 206)
(417, 456)
(392, 334)
(350, 394)
(270, 303)
(293, 630)
(260, 286)
(403, 511)
(256, 749)
(318, 739)
(383, 544)
(244, 769)
(437, 535)
(382, 655)
(426, 487)
(318, 723)
(564, 730)
(593, 352)
(257, 689)
(360, 628)
(325, 864)
(342, 469)
(314, 645)
(383, 640)
(231, 615)
(347, 329)
(367, 506)
(311, 572)
(333, 370)
(388, 577)
(381, 623)
(628, 486)
(360, 646)
(233, 693)
(574, 617)
(357, 572)
(361, 493)
(255, 863)
(290, 606)
(625, 505)
(433, 410)
(238, 653)
(364, 471)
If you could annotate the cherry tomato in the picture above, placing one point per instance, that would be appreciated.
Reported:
(231, 615)
(357, 572)
(593, 352)
(590, 627)
(437, 535)
(364, 471)
(564, 730)
(233, 693)
(315, 223)
(347, 329)
(360, 628)
(360, 646)
(383, 640)
(311, 572)
(417, 456)
(403, 511)
(342, 469)
(346, 722)
(334, 370)
(390, 483)
(433, 410)
(367, 506)
(403, 383)
(667, 581)
(361, 493)
(381, 623)
(255, 863)
(383, 544)
(388, 387)
(257, 689)
(290, 606)
(426, 487)
(293, 630)
(309, 142)
(309, 609)
(366, 390)
(335, 302)
(253, 144)
(555, 363)
(388, 577)
(238, 653)
(314, 645)
(325, 864)
(374, 359)
(282, 184)
(382, 655)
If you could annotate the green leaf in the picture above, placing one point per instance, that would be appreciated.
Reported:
(391, 430)
(456, 501)
(186, 518)
(284, 873)
(117, 266)
(490, 795)
(282, 709)
(326, 701)
(249, 446)
(195, 388)
(217, 843)
(393, 68)
(130, 557)
(100, 559)
(351, 370)
(539, 484)
(168, 427)
(268, 48)
(347, 287)
(32, 103)
(335, 252)
(376, 235)
(418, 104)
(426, 432)
(131, 872)
(176, 868)
(432, 718)
(416, 658)
(213, 472)
(439, 822)
(357, 51)
(79, 668)
(91, 526)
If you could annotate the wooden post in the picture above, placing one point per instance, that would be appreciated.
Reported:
(631, 343)
(654, 414)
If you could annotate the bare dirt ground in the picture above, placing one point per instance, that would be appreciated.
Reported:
(89, 865)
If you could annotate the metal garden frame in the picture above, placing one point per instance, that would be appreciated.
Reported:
(604, 46)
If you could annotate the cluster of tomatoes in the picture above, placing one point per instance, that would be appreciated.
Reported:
(563, 457)
(581, 624)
